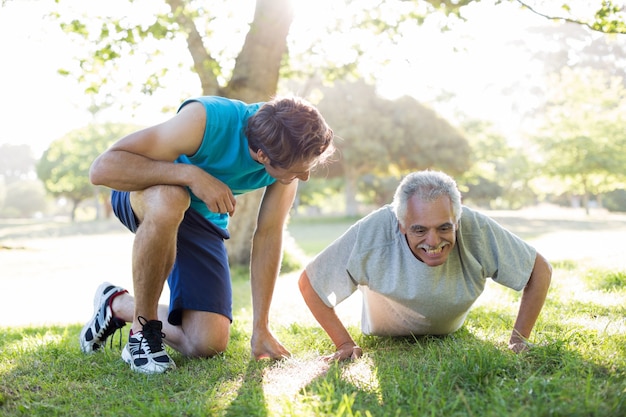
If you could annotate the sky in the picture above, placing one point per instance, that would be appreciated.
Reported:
(38, 106)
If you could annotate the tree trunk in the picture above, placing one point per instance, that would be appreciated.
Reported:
(254, 79)
(257, 68)
(585, 196)
(241, 227)
(75, 204)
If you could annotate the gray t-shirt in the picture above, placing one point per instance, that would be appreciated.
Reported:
(402, 295)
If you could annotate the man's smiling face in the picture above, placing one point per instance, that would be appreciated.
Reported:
(430, 229)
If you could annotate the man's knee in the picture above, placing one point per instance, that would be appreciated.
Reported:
(208, 333)
(161, 203)
(209, 348)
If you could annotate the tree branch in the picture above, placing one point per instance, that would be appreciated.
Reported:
(595, 27)
(203, 62)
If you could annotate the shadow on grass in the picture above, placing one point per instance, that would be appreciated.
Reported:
(43, 373)
(464, 375)
(250, 399)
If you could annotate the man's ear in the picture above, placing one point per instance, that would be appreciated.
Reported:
(261, 157)
(402, 229)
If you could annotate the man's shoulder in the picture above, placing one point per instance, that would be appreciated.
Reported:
(471, 218)
(381, 216)
(222, 104)
(380, 227)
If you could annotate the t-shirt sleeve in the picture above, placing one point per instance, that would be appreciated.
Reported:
(328, 271)
(504, 257)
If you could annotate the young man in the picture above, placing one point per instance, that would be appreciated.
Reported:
(421, 263)
(175, 185)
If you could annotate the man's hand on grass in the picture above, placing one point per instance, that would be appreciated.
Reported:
(347, 351)
(519, 347)
(266, 346)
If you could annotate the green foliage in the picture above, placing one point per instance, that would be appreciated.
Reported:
(500, 174)
(610, 18)
(615, 200)
(64, 166)
(582, 140)
(382, 136)
(607, 18)
(293, 258)
(315, 191)
(384, 139)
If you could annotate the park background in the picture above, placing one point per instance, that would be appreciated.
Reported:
(522, 102)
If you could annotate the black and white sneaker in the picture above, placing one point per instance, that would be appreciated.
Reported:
(103, 324)
(145, 351)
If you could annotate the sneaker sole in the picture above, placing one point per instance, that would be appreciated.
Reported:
(86, 347)
(151, 368)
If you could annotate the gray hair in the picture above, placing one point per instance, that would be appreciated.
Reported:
(427, 186)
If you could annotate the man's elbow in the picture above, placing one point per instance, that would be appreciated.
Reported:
(97, 172)
(542, 273)
(303, 283)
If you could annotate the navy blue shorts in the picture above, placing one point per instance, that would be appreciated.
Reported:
(200, 279)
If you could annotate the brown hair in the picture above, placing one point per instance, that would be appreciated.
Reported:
(290, 130)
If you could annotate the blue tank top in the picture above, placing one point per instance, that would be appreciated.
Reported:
(224, 151)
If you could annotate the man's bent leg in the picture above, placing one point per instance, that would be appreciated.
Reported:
(160, 211)
(202, 334)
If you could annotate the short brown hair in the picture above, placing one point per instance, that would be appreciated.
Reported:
(290, 130)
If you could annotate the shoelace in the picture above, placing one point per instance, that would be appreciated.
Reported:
(116, 324)
(152, 333)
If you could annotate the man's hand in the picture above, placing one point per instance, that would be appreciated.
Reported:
(519, 347)
(215, 194)
(266, 346)
(347, 351)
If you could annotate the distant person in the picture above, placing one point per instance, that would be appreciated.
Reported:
(175, 185)
(421, 263)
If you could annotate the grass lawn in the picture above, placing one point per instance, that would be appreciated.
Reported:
(577, 368)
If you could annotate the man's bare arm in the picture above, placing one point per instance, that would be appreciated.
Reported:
(533, 298)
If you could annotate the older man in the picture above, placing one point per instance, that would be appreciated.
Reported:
(421, 263)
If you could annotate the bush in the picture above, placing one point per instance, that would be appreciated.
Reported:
(293, 256)
(615, 200)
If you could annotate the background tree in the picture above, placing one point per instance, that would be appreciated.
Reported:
(24, 198)
(500, 174)
(21, 195)
(583, 139)
(64, 166)
(381, 140)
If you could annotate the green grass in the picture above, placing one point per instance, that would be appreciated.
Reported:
(577, 368)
